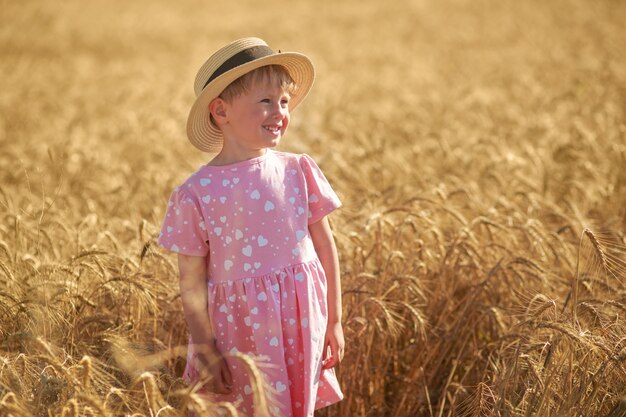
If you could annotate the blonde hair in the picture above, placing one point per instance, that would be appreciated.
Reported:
(271, 74)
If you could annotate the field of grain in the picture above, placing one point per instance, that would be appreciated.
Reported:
(479, 147)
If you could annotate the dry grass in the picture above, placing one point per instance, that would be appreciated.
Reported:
(479, 148)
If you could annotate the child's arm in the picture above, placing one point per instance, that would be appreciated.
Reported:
(327, 253)
(194, 296)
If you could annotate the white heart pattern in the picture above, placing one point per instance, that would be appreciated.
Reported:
(204, 182)
(280, 387)
(269, 206)
(247, 250)
(206, 199)
(262, 241)
(255, 195)
(228, 264)
(274, 341)
(262, 296)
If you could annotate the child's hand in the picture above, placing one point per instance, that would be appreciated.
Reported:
(221, 379)
(335, 343)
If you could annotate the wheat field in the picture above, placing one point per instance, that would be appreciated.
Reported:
(478, 146)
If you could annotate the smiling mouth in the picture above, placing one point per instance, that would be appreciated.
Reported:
(273, 129)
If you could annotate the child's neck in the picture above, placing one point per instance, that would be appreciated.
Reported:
(232, 156)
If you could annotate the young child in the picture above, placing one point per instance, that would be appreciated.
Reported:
(259, 273)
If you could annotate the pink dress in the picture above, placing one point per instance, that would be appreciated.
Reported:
(266, 286)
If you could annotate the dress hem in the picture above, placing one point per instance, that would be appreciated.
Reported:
(328, 404)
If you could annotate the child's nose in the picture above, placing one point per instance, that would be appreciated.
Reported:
(279, 111)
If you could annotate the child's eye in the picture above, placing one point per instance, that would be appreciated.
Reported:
(265, 100)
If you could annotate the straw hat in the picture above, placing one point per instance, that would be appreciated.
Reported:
(224, 67)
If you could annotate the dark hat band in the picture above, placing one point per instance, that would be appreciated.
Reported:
(240, 58)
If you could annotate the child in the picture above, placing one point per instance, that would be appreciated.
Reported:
(251, 225)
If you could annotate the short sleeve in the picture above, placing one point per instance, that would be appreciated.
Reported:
(321, 198)
(183, 229)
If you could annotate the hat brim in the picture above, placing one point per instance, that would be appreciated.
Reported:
(207, 137)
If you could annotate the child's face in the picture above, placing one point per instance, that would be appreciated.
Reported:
(258, 118)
